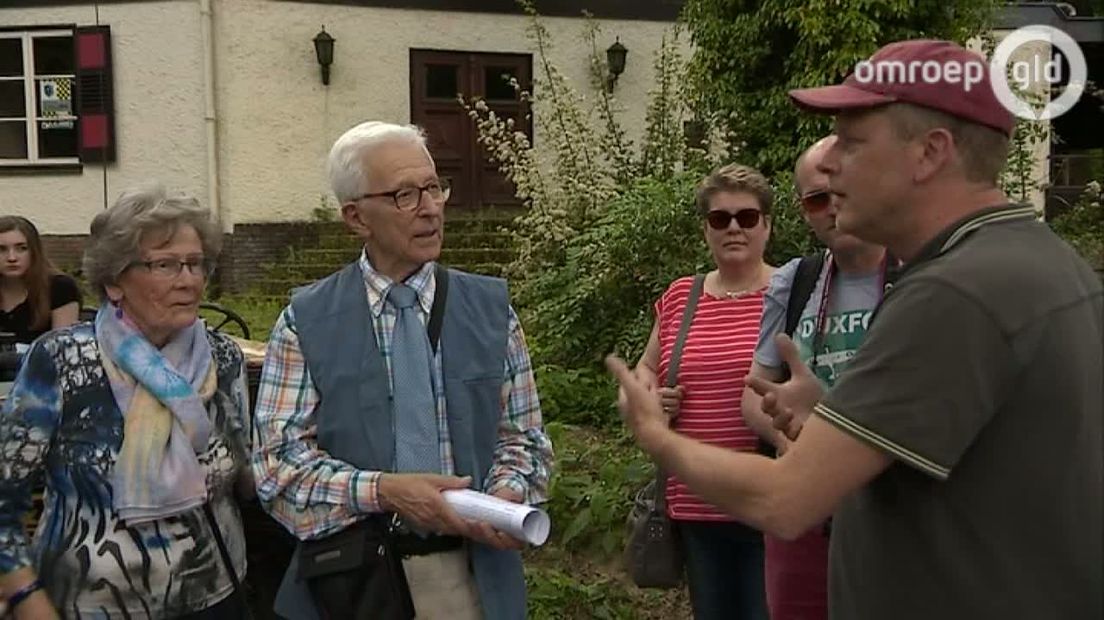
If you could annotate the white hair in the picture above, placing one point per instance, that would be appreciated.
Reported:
(346, 160)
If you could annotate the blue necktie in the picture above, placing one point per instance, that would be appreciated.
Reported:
(417, 448)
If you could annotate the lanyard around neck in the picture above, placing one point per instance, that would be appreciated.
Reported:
(822, 309)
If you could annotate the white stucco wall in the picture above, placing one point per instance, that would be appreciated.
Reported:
(1041, 149)
(277, 121)
(157, 54)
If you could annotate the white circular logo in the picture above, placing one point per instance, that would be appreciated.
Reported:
(1030, 74)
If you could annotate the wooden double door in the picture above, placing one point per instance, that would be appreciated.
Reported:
(436, 79)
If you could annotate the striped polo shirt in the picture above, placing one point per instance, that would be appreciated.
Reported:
(716, 357)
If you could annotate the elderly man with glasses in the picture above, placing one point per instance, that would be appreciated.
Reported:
(824, 302)
(384, 385)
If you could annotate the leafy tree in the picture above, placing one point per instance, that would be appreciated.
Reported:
(749, 53)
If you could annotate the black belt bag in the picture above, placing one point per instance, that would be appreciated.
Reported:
(357, 573)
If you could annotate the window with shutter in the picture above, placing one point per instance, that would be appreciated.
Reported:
(56, 97)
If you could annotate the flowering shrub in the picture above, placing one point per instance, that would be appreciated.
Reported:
(1082, 225)
(606, 224)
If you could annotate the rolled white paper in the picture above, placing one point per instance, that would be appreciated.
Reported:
(518, 520)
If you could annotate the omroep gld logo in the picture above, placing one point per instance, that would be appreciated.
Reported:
(1036, 74)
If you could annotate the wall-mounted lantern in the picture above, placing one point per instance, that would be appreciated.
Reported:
(615, 59)
(323, 49)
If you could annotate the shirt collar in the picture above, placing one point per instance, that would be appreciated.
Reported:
(956, 232)
(379, 285)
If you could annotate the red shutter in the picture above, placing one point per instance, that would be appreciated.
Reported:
(95, 94)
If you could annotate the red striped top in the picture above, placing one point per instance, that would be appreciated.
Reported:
(715, 358)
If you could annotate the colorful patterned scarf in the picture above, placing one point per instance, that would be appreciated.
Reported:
(165, 423)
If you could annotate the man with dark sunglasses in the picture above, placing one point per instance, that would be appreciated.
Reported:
(848, 281)
(961, 456)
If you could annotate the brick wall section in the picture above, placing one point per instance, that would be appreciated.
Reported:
(65, 251)
(244, 261)
(248, 254)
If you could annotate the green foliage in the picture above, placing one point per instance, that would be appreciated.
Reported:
(600, 298)
(587, 159)
(607, 224)
(749, 54)
(591, 490)
(597, 474)
(575, 396)
(556, 593)
(259, 313)
(1082, 225)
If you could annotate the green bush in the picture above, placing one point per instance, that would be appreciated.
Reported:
(555, 593)
(1082, 225)
(597, 474)
(574, 396)
(600, 299)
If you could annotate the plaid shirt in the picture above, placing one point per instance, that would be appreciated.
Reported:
(314, 494)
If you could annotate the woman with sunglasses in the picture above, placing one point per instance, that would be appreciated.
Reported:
(724, 558)
(34, 296)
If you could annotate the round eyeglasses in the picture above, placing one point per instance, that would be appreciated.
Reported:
(408, 198)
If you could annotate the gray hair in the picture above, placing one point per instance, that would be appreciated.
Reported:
(346, 160)
(117, 233)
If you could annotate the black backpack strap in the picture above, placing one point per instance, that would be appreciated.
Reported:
(684, 329)
(437, 312)
(805, 279)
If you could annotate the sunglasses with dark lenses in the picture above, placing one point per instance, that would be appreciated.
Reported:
(816, 200)
(746, 218)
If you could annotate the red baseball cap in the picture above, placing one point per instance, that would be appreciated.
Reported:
(940, 75)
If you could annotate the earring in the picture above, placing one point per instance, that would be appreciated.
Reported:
(118, 309)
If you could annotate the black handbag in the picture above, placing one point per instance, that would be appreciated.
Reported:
(654, 556)
(357, 573)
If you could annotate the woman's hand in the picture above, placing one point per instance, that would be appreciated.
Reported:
(37, 606)
(671, 398)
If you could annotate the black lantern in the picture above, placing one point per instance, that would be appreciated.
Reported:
(615, 59)
(323, 49)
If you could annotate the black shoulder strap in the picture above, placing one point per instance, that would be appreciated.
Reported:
(660, 488)
(684, 329)
(805, 279)
(437, 312)
(222, 548)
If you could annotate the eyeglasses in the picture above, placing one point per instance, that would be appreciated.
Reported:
(816, 200)
(408, 198)
(746, 218)
(170, 267)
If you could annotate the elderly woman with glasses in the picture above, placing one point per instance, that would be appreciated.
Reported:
(137, 422)
(724, 558)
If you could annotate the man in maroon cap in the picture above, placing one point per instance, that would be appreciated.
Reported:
(962, 452)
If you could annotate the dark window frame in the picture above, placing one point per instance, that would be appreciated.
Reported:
(30, 118)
